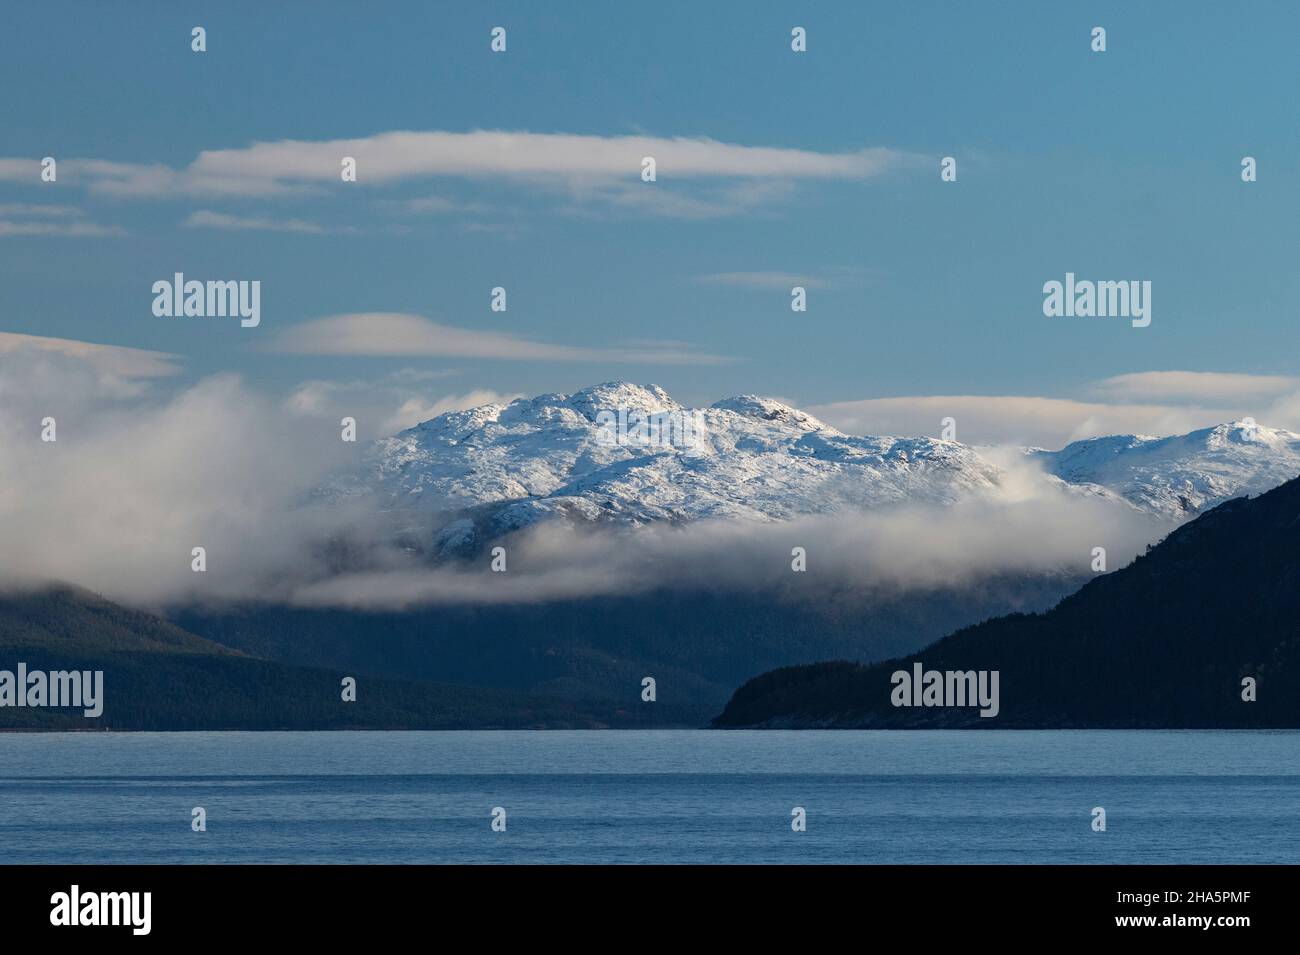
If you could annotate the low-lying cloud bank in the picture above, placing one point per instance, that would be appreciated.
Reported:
(137, 478)
(849, 557)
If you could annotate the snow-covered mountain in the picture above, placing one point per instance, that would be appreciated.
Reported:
(747, 457)
(1179, 476)
(630, 454)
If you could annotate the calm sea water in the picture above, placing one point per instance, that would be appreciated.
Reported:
(653, 796)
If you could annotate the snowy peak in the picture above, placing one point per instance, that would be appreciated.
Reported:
(630, 454)
(1251, 438)
(1246, 433)
(1182, 474)
(649, 399)
(767, 409)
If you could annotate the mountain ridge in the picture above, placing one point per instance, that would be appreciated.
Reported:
(632, 455)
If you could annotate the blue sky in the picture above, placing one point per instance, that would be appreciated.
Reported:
(1121, 165)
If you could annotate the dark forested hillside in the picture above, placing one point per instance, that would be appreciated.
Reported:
(160, 677)
(1164, 642)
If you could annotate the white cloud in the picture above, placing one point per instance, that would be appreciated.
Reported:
(394, 156)
(394, 334)
(765, 281)
(106, 359)
(1015, 419)
(72, 229)
(124, 180)
(1194, 386)
(20, 170)
(428, 205)
(395, 402)
(1153, 403)
(666, 199)
(135, 481)
(36, 219)
(43, 211)
(590, 170)
(205, 219)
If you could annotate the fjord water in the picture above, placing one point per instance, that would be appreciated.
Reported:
(652, 796)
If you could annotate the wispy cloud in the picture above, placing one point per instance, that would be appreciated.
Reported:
(394, 402)
(399, 334)
(428, 205)
(823, 277)
(89, 230)
(704, 200)
(205, 219)
(1149, 402)
(482, 154)
(43, 211)
(587, 169)
(1014, 419)
(20, 170)
(1194, 386)
(765, 281)
(38, 219)
(505, 230)
(111, 359)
